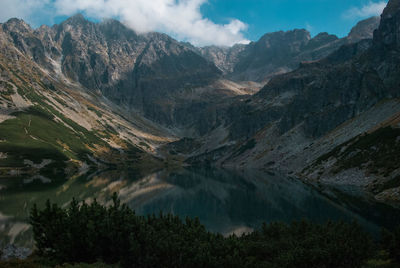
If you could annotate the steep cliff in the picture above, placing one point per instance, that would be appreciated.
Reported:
(281, 52)
(107, 95)
(51, 127)
(305, 121)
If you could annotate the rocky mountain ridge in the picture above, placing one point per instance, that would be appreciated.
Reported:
(313, 120)
(120, 97)
(281, 52)
(133, 71)
(52, 127)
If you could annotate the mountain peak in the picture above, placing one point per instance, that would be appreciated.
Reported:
(325, 35)
(364, 29)
(76, 19)
(114, 29)
(388, 33)
(17, 25)
(290, 36)
(110, 21)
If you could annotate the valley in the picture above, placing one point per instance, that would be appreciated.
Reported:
(81, 99)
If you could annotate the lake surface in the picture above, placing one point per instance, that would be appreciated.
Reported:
(225, 201)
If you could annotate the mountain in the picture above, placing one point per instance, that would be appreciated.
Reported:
(166, 81)
(281, 52)
(81, 96)
(50, 125)
(138, 72)
(363, 30)
(332, 121)
(225, 58)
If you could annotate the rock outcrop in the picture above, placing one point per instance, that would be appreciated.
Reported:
(304, 115)
(139, 72)
(134, 92)
(281, 52)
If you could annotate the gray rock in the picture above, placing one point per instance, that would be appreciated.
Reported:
(13, 252)
(281, 52)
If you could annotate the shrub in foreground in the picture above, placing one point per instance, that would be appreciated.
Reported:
(88, 233)
(391, 242)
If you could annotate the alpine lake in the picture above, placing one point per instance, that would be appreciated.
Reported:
(225, 201)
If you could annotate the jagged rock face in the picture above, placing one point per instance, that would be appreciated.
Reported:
(321, 95)
(140, 72)
(281, 52)
(69, 127)
(364, 29)
(225, 58)
(177, 84)
(369, 158)
(320, 40)
(25, 40)
(334, 121)
(385, 54)
(273, 53)
(153, 73)
(90, 55)
(160, 77)
(388, 35)
(154, 67)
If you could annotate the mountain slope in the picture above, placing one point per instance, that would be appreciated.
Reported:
(281, 52)
(168, 82)
(299, 117)
(52, 127)
(138, 72)
(82, 94)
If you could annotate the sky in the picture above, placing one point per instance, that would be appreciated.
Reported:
(204, 22)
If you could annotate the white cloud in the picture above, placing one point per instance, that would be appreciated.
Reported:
(368, 10)
(29, 10)
(309, 27)
(180, 18)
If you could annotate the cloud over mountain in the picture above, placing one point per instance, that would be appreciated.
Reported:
(368, 10)
(25, 9)
(181, 18)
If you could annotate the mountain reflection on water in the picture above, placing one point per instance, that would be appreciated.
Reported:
(224, 201)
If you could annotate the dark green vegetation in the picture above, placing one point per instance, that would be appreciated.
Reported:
(247, 146)
(41, 133)
(33, 135)
(44, 132)
(84, 233)
(382, 146)
(379, 151)
(392, 243)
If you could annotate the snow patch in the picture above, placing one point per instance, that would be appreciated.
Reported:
(43, 179)
(17, 229)
(20, 102)
(44, 163)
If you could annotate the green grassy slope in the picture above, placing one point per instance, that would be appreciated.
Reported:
(34, 135)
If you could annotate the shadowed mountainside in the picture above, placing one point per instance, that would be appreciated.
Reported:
(300, 116)
(281, 52)
(115, 95)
